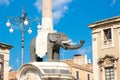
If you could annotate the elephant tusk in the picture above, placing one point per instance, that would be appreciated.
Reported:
(66, 41)
(64, 47)
(73, 47)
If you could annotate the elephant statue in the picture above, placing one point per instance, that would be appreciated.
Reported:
(54, 42)
(57, 40)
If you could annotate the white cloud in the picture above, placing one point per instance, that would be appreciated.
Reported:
(59, 8)
(113, 2)
(38, 5)
(4, 2)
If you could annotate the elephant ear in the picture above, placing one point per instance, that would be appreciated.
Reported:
(53, 37)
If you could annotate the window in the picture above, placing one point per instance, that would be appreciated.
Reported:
(77, 75)
(107, 37)
(109, 73)
(88, 76)
(107, 34)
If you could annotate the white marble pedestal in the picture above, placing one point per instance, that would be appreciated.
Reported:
(44, 71)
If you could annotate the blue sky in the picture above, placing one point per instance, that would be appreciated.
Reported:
(70, 16)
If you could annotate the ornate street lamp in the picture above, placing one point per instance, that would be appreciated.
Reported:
(23, 21)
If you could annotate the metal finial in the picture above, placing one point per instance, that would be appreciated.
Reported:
(23, 14)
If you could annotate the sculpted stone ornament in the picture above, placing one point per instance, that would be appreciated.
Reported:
(57, 40)
(39, 44)
(54, 42)
(107, 60)
(48, 41)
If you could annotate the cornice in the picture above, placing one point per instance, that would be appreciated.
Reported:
(105, 22)
(4, 46)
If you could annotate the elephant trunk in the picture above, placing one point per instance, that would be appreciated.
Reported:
(73, 47)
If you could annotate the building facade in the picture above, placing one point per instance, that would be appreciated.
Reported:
(106, 49)
(80, 68)
(4, 61)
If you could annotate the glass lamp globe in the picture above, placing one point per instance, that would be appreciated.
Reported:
(29, 31)
(11, 30)
(8, 24)
(26, 22)
(39, 26)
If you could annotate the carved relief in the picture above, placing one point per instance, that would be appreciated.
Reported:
(107, 61)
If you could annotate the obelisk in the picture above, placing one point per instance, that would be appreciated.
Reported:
(47, 21)
(47, 27)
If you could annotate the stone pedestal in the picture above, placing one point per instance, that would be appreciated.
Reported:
(44, 71)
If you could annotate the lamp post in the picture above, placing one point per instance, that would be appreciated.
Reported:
(23, 22)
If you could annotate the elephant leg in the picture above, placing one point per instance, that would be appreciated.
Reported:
(49, 53)
(56, 53)
(55, 56)
(49, 57)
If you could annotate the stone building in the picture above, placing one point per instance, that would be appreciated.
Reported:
(106, 49)
(80, 68)
(4, 61)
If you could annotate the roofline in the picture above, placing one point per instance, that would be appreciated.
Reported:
(80, 66)
(89, 70)
(105, 21)
(3, 45)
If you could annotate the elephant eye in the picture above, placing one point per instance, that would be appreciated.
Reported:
(57, 36)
